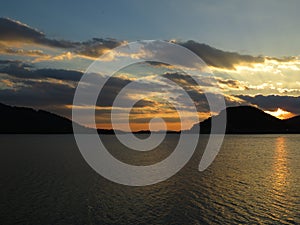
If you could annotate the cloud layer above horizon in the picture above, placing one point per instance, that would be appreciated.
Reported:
(41, 72)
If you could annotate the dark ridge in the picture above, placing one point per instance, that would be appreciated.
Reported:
(240, 120)
(293, 124)
(251, 120)
(21, 120)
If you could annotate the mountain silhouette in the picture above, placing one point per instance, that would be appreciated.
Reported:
(22, 120)
(250, 120)
(240, 120)
(26, 120)
(293, 124)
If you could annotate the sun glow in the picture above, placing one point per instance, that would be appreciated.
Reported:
(280, 113)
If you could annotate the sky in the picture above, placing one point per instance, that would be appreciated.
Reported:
(268, 27)
(251, 47)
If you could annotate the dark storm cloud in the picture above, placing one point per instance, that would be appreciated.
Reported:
(110, 91)
(232, 84)
(145, 103)
(181, 79)
(25, 71)
(11, 30)
(43, 94)
(38, 94)
(283, 59)
(15, 31)
(218, 58)
(272, 102)
(96, 47)
(187, 81)
(200, 100)
(32, 87)
(8, 61)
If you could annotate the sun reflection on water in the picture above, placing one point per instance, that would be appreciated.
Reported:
(280, 166)
(279, 207)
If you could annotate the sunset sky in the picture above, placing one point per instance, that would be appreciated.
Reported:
(251, 47)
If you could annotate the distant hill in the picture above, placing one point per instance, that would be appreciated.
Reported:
(251, 120)
(293, 124)
(25, 120)
(22, 120)
(240, 120)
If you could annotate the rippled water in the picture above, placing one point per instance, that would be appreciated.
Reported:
(255, 179)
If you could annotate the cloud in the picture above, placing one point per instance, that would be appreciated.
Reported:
(231, 84)
(8, 61)
(22, 52)
(228, 60)
(145, 103)
(186, 81)
(97, 46)
(52, 89)
(272, 102)
(41, 94)
(218, 58)
(8, 83)
(12, 31)
(21, 70)
(15, 31)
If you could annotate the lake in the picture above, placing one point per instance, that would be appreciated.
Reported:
(255, 179)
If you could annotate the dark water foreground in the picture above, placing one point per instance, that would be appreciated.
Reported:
(255, 179)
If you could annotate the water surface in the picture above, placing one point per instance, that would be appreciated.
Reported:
(255, 179)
